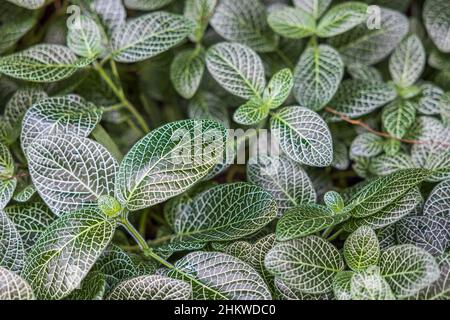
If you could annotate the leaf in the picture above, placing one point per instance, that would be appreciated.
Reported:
(284, 179)
(70, 172)
(361, 249)
(370, 285)
(111, 12)
(317, 76)
(370, 46)
(386, 164)
(342, 285)
(84, 37)
(146, 4)
(28, 4)
(148, 35)
(278, 89)
(286, 293)
(237, 68)
(225, 212)
(168, 161)
(333, 201)
(315, 7)
(221, 276)
(307, 264)
(206, 105)
(408, 269)
(387, 237)
(407, 62)
(92, 287)
(436, 14)
(342, 18)
(398, 117)
(186, 72)
(244, 22)
(341, 160)
(292, 23)
(25, 194)
(440, 289)
(384, 190)
(13, 287)
(42, 63)
(259, 251)
(30, 220)
(305, 220)
(199, 11)
(152, 287)
(431, 233)
(429, 102)
(6, 163)
(360, 71)
(356, 98)
(12, 253)
(7, 188)
(438, 202)
(66, 251)
(303, 136)
(116, 266)
(252, 112)
(69, 114)
(367, 145)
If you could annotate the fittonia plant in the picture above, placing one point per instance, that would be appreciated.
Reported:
(116, 126)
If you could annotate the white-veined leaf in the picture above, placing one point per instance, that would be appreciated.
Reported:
(69, 114)
(387, 237)
(342, 285)
(28, 4)
(7, 187)
(440, 289)
(364, 72)
(71, 172)
(85, 38)
(370, 285)
(151, 287)
(12, 253)
(308, 264)
(42, 63)
(292, 23)
(284, 292)
(317, 76)
(199, 11)
(237, 68)
(303, 135)
(398, 117)
(6, 163)
(146, 4)
(167, 161)
(92, 287)
(407, 62)
(408, 269)
(20, 102)
(387, 164)
(436, 14)
(361, 249)
(148, 35)
(314, 7)
(244, 22)
(430, 99)
(278, 89)
(206, 105)
(333, 201)
(186, 71)
(24, 194)
(341, 160)
(252, 112)
(438, 202)
(258, 253)
(111, 12)
(367, 145)
(444, 108)
(220, 276)
(14, 287)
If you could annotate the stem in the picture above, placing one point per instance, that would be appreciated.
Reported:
(102, 136)
(285, 59)
(335, 235)
(327, 232)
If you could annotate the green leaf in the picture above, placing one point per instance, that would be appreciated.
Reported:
(225, 212)
(307, 264)
(342, 285)
(221, 276)
(152, 287)
(244, 22)
(364, 72)
(259, 251)
(12, 253)
(85, 38)
(186, 71)
(92, 287)
(438, 202)
(342, 18)
(111, 12)
(25, 194)
(333, 201)
(66, 251)
(384, 190)
(303, 135)
(430, 99)
(386, 164)
(14, 287)
(7, 187)
(206, 105)
(28, 4)
(398, 117)
(286, 293)
(278, 89)
(237, 68)
(69, 114)
(440, 289)
(370, 285)
(408, 269)
(407, 62)
(284, 179)
(292, 23)
(367, 145)
(199, 11)
(71, 172)
(146, 4)
(31, 220)
(317, 76)
(42, 63)
(252, 112)
(361, 249)
(6, 163)
(168, 161)
(148, 35)
(314, 7)
(305, 220)
(436, 14)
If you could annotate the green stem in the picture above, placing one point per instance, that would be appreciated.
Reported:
(327, 232)
(335, 235)
(285, 59)
(102, 136)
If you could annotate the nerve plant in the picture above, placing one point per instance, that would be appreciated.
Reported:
(100, 201)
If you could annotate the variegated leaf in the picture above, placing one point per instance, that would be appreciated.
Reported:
(28, 4)
(342, 285)
(92, 287)
(386, 164)
(278, 89)
(398, 117)
(14, 287)
(440, 289)
(199, 11)
(111, 12)
(438, 202)
(85, 38)
(370, 285)
(361, 249)
(436, 14)
(314, 7)
(292, 23)
(367, 145)
(206, 105)
(12, 253)
(186, 71)
(146, 4)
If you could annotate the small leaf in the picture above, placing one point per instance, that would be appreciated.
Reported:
(186, 72)
(199, 11)
(367, 145)
(436, 14)
(14, 287)
(370, 285)
(278, 89)
(292, 23)
(342, 18)
(333, 201)
(398, 117)
(252, 112)
(286, 293)
(303, 135)
(84, 37)
(12, 253)
(438, 202)
(314, 7)
(361, 249)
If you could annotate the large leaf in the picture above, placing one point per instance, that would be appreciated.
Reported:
(438, 202)
(237, 68)
(13, 287)
(168, 161)
(317, 76)
(28, 4)
(186, 72)
(370, 285)
(220, 276)
(71, 172)
(293, 23)
(69, 114)
(440, 289)
(199, 11)
(148, 35)
(303, 135)
(225, 212)
(154, 287)
(361, 249)
(398, 117)
(66, 251)
(284, 179)
(407, 62)
(12, 253)
(307, 264)
(436, 14)
(314, 7)
(408, 269)
(85, 38)
(244, 22)
(42, 63)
